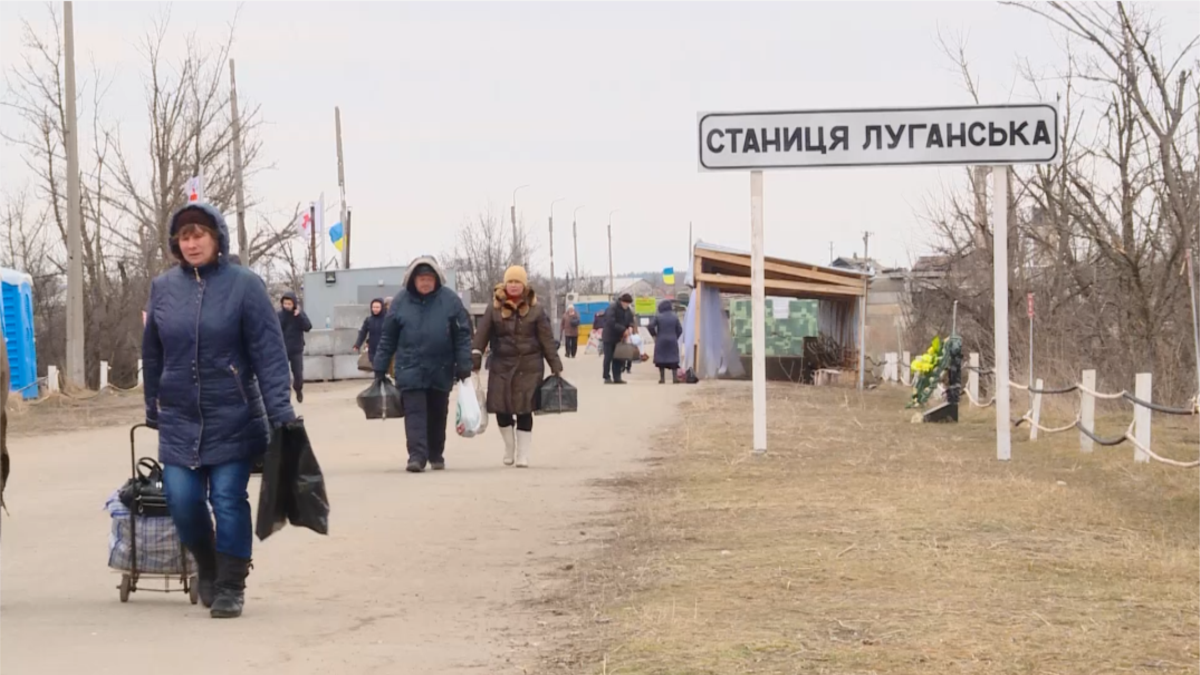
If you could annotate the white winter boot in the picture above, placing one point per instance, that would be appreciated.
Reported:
(524, 446)
(510, 444)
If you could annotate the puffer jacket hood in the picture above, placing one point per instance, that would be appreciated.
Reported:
(218, 221)
(289, 296)
(665, 306)
(382, 307)
(410, 278)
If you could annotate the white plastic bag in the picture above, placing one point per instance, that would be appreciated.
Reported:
(636, 340)
(469, 420)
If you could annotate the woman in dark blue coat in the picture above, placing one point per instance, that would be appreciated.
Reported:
(216, 383)
(666, 330)
(372, 329)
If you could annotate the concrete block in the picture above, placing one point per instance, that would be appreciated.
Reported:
(345, 367)
(349, 316)
(318, 368)
(318, 342)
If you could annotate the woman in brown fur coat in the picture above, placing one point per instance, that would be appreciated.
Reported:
(517, 329)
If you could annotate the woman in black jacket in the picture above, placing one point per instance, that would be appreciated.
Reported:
(372, 329)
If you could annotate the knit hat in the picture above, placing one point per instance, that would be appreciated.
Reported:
(625, 297)
(516, 273)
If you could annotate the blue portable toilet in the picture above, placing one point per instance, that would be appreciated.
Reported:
(16, 324)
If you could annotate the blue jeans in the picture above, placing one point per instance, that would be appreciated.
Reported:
(188, 493)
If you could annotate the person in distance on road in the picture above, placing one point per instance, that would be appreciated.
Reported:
(372, 328)
(428, 331)
(517, 328)
(666, 330)
(216, 383)
(570, 331)
(294, 323)
(618, 325)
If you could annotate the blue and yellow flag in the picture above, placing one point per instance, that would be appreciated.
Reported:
(337, 236)
(669, 276)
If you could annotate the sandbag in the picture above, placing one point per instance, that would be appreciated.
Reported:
(555, 395)
(381, 401)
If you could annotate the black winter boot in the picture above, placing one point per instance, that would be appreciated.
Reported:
(206, 570)
(230, 587)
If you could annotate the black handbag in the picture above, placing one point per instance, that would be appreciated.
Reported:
(143, 494)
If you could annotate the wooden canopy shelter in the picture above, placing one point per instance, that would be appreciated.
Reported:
(841, 290)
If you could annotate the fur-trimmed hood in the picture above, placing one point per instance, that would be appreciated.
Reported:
(501, 301)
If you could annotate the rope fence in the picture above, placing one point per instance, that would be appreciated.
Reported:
(1137, 434)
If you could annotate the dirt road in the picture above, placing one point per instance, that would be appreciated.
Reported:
(421, 573)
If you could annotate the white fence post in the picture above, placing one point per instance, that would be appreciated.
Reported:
(51, 379)
(1141, 416)
(140, 381)
(1036, 411)
(891, 372)
(906, 369)
(1087, 410)
(103, 375)
(973, 376)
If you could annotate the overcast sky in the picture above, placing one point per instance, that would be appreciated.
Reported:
(448, 106)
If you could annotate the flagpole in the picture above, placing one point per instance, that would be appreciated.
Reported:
(312, 233)
(337, 120)
(324, 231)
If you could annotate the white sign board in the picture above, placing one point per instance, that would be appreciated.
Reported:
(989, 135)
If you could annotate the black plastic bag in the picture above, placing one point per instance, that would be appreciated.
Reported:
(690, 376)
(555, 395)
(293, 487)
(381, 401)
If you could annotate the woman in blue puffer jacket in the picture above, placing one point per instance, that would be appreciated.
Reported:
(216, 383)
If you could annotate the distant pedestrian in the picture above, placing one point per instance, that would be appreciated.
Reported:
(428, 331)
(618, 325)
(518, 330)
(570, 331)
(4, 385)
(294, 323)
(372, 329)
(666, 330)
(216, 383)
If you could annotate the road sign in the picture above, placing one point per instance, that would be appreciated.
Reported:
(1029, 304)
(989, 135)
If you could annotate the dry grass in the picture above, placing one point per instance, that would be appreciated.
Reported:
(863, 543)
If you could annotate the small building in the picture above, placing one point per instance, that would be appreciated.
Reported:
(324, 290)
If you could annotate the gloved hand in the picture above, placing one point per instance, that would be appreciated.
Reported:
(295, 424)
(462, 375)
(476, 360)
(152, 423)
(380, 378)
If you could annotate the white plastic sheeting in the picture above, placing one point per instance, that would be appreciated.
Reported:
(718, 355)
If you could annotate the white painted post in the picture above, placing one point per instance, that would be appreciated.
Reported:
(1037, 411)
(1000, 308)
(758, 292)
(1087, 410)
(103, 375)
(906, 369)
(52, 378)
(973, 376)
(141, 382)
(1141, 416)
(891, 371)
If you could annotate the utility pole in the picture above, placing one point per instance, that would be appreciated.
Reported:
(575, 237)
(554, 327)
(831, 253)
(337, 122)
(312, 233)
(611, 279)
(76, 371)
(243, 239)
(862, 337)
(513, 215)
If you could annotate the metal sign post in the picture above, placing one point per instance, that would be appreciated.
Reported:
(995, 136)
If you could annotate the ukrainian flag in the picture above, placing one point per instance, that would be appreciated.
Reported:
(669, 276)
(337, 236)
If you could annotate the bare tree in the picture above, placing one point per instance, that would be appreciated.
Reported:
(1101, 234)
(484, 249)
